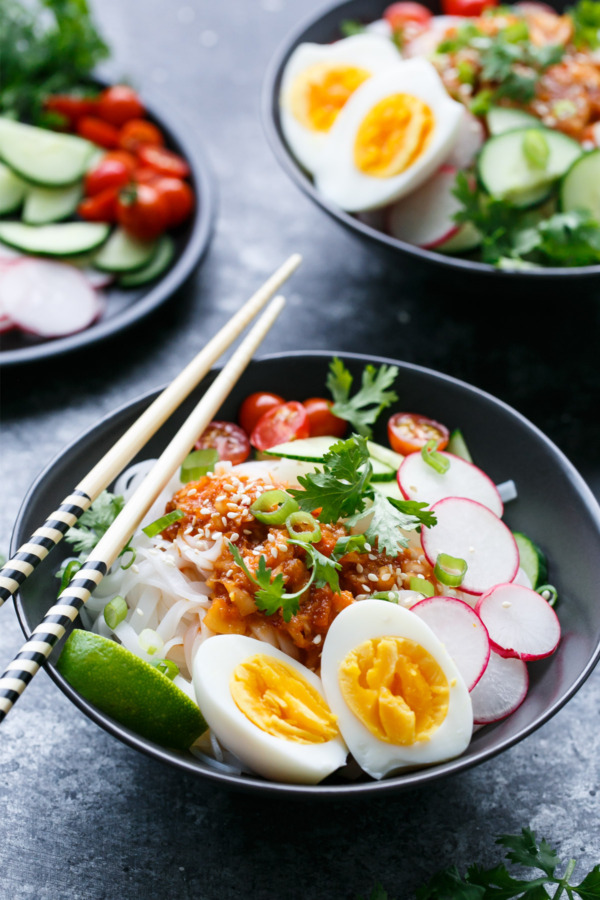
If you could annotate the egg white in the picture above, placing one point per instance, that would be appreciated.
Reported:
(368, 619)
(269, 756)
(371, 52)
(338, 178)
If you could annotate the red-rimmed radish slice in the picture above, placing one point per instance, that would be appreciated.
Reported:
(470, 531)
(97, 279)
(6, 323)
(470, 140)
(500, 690)
(419, 481)
(48, 299)
(522, 578)
(519, 621)
(425, 217)
(461, 631)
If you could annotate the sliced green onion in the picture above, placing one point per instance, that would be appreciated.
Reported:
(150, 641)
(434, 458)
(311, 535)
(466, 71)
(115, 611)
(421, 585)
(69, 571)
(482, 102)
(133, 551)
(273, 507)
(516, 32)
(166, 667)
(535, 148)
(450, 570)
(198, 463)
(390, 596)
(549, 593)
(159, 525)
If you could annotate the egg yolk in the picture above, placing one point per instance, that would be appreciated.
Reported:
(320, 92)
(279, 700)
(395, 688)
(392, 136)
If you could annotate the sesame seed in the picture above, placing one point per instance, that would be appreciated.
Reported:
(281, 547)
(372, 577)
(247, 531)
(220, 498)
(234, 537)
(232, 506)
(192, 492)
(317, 639)
(140, 612)
(274, 552)
(385, 576)
(367, 547)
(271, 536)
(372, 556)
(215, 535)
(360, 568)
(224, 521)
(506, 604)
(232, 515)
(366, 588)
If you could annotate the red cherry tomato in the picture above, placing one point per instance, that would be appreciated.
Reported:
(142, 211)
(179, 196)
(466, 7)
(255, 406)
(398, 14)
(128, 159)
(109, 173)
(321, 421)
(408, 433)
(118, 104)
(145, 175)
(137, 132)
(164, 161)
(99, 132)
(70, 106)
(228, 439)
(280, 424)
(101, 207)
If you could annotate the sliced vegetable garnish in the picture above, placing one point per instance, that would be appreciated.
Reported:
(159, 525)
(115, 611)
(390, 596)
(535, 148)
(166, 667)
(69, 571)
(198, 463)
(549, 593)
(295, 522)
(422, 585)
(274, 507)
(450, 570)
(434, 458)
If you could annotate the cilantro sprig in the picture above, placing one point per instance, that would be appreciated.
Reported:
(498, 883)
(94, 522)
(586, 19)
(271, 595)
(374, 395)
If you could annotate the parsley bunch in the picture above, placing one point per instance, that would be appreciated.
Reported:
(499, 883)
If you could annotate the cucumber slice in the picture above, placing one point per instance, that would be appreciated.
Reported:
(44, 205)
(313, 449)
(389, 489)
(466, 238)
(44, 157)
(503, 118)
(124, 253)
(580, 188)
(162, 258)
(385, 455)
(506, 173)
(533, 560)
(63, 239)
(458, 446)
(12, 191)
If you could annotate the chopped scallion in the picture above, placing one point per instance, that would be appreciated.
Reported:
(535, 148)
(150, 641)
(390, 596)
(311, 534)
(198, 463)
(421, 585)
(450, 570)
(159, 525)
(273, 507)
(166, 667)
(549, 593)
(69, 571)
(434, 458)
(115, 611)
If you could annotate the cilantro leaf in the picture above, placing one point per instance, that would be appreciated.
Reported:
(350, 543)
(338, 489)
(94, 522)
(414, 509)
(363, 409)
(525, 851)
(270, 596)
(449, 885)
(384, 525)
(325, 568)
(586, 19)
(589, 889)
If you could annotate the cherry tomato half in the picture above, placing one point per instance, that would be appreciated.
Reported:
(164, 161)
(109, 173)
(321, 421)
(255, 406)
(179, 197)
(137, 132)
(408, 432)
(466, 7)
(98, 132)
(142, 211)
(280, 424)
(228, 439)
(101, 207)
(128, 159)
(118, 104)
(70, 106)
(398, 14)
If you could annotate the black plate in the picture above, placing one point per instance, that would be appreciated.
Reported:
(124, 307)
(323, 29)
(554, 507)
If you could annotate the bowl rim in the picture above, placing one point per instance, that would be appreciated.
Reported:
(271, 124)
(251, 784)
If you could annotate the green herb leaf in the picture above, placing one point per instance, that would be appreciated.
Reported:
(349, 27)
(94, 522)
(351, 543)
(524, 850)
(586, 18)
(325, 568)
(589, 889)
(363, 409)
(384, 525)
(271, 595)
(339, 488)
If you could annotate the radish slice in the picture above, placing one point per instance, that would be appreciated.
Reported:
(97, 279)
(419, 481)
(470, 531)
(470, 140)
(48, 299)
(522, 578)
(500, 690)
(519, 621)
(425, 217)
(461, 631)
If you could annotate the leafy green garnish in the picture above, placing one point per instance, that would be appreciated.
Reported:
(387, 516)
(271, 595)
(340, 488)
(586, 19)
(363, 409)
(94, 522)
(46, 46)
(348, 27)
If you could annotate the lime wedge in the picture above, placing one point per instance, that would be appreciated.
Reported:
(130, 690)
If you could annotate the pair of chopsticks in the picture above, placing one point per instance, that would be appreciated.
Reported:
(61, 616)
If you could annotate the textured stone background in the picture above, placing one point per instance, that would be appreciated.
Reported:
(83, 816)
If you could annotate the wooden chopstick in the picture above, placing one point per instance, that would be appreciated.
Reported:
(61, 616)
(18, 568)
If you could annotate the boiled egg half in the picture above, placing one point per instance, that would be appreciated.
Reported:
(393, 133)
(267, 709)
(399, 699)
(318, 80)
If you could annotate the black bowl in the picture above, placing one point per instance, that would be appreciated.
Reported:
(554, 507)
(324, 28)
